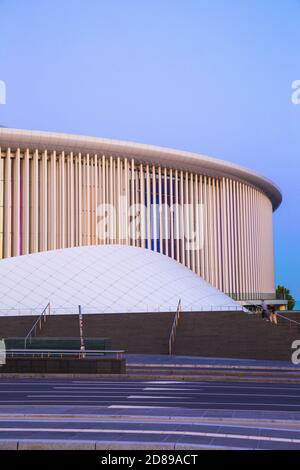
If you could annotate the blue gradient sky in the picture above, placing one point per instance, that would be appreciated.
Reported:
(212, 77)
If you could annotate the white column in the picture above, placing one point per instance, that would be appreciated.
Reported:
(16, 208)
(25, 198)
(35, 204)
(7, 205)
(154, 212)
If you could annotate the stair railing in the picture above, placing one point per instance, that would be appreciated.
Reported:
(174, 327)
(38, 324)
(288, 319)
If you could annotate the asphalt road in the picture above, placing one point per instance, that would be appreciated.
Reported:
(169, 413)
(126, 393)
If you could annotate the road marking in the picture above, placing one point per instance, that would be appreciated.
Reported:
(125, 407)
(189, 393)
(199, 392)
(78, 396)
(82, 400)
(128, 419)
(156, 432)
(220, 386)
(156, 397)
(192, 386)
(108, 382)
(169, 388)
(61, 401)
(162, 382)
(97, 388)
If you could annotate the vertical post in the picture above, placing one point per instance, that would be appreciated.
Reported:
(82, 347)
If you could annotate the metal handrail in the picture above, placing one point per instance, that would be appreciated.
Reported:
(174, 326)
(288, 319)
(44, 313)
(47, 353)
(104, 310)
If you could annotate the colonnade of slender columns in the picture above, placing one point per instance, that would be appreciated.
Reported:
(218, 227)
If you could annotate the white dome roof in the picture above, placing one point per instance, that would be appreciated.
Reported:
(103, 279)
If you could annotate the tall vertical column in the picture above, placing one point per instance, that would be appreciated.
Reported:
(25, 200)
(192, 224)
(16, 205)
(132, 234)
(43, 219)
(62, 203)
(242, 238)
(160, 208)
(142, 207)
(218, 208)
(34, 207)
(231, 240)
(171, 214)
(7, 206)
(154, 208)
(224, 237)
(202, 228)
(181, 225)
(148, 199)
(52, 220)
(71, 204)
(118, 201)
(187, 220)
(126, 199)
(239, 252)
(2, 183)
(228, 241)
(210, 239)
(206, 223)
(176, 216)
(79, 190)
(215, 280)
(95, 239)
(104, 200)
(166, 218)
(111, 200)
(160, 228)
(88, 201)
(256, 240)
(197, 225)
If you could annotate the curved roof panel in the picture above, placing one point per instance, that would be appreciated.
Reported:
(103, 279)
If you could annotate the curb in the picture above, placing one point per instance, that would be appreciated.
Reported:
(151, 377)
(213, 366)
(100, 445)
(151, 418)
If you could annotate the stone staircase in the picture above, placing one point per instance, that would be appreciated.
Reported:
(211, 334)
(236, 335)
(133, 332)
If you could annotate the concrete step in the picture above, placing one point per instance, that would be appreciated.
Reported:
(211, 334)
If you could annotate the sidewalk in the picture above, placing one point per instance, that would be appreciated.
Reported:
(148, 359)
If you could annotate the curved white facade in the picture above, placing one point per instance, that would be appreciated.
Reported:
(103, 279)
(52, 185)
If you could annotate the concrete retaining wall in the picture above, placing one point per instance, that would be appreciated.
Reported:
(64, 366)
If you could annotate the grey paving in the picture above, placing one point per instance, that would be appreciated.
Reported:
(197, 360)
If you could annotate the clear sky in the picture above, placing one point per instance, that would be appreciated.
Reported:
(210, 76)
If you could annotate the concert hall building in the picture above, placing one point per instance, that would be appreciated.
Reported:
(212, 216)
